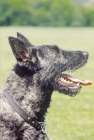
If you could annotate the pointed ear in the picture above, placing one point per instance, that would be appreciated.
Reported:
(24, 39)
(20, 50)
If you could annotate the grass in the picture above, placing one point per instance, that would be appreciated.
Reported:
(69, 118)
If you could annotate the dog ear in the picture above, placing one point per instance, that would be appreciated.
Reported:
(24, 39)
(21, 51)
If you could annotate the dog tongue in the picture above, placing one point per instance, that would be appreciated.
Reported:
(74, 80)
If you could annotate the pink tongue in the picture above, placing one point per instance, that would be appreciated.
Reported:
(82, 82)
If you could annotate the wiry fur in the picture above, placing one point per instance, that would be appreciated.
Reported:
(31, 83)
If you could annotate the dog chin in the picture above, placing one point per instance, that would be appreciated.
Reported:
(68, 90)
(66, 86)
(69, 84)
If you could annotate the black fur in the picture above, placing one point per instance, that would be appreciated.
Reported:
(31, 83)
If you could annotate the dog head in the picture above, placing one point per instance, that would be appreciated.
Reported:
(51, 63)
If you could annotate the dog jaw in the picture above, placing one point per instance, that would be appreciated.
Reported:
(70, 85)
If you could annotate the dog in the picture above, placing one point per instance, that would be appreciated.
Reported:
(38, 72)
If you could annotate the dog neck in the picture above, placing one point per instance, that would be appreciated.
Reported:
(25, 92)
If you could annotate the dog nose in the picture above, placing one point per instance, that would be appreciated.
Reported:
(85, 54)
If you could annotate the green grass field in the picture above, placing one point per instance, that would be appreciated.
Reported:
(69, 118)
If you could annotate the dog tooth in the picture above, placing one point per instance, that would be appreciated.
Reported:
(77, 84)
(62, 79)
(68, 81)
(65, 80)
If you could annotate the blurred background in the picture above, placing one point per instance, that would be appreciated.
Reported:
(70, 25)
(47, 12)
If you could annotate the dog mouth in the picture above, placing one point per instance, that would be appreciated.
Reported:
(72, 82)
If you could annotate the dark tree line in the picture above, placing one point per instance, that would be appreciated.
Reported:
(44, 13)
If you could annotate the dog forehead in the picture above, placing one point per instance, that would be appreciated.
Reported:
(47, 48)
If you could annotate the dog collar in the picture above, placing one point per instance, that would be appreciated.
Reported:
(32, 121)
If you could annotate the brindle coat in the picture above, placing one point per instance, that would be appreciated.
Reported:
(31, 83)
